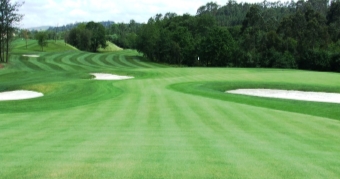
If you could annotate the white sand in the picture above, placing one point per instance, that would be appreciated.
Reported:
(290, 94)
(104, 76)
(19, 95)
(33, 56)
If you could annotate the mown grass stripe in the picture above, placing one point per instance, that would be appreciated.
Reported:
(58, 60)
(40, 62)
(79, 59)
(90, 59)
(73, 59)
(111, 60)
(66, 60)
(203, 150)
(145, 64)
(126, 63)
(48, 63)
(133, 61)
(30, 65)
(104, 60)
(142, 128)
(98, 58)
(18, 64)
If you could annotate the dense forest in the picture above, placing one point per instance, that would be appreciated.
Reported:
(302, 34)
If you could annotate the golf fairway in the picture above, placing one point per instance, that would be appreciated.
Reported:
(166, 122)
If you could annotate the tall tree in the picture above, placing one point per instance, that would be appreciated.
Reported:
(148, 37)
(25, 34)
(98, 38)
(333, 20)
(217, 48)
(87, 37)
(209, 8)
(80, 38)
(8, 18)
(42, 39)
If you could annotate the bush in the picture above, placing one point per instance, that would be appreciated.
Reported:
(335, 62)
(285, 60)
(315, 60)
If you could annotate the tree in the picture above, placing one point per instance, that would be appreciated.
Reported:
(42, 39)
(80, 38)
(148, 36)
(209, 8)
(87, 37)
(8, 18)
(333, 20)
(25, 34)
(98, 38)
(217, 48)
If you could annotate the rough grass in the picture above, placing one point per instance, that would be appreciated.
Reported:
(110, 48)
(164, 123)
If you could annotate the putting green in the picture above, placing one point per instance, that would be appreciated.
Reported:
(164, 123)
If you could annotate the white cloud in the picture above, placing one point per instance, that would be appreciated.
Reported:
(62, 12)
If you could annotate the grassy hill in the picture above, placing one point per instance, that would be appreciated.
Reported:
(110, 47)
(167, 122)
(19, 46)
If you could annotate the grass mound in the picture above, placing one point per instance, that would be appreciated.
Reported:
(111, 47)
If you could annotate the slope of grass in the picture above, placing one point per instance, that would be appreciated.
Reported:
(165, 123)
(111, 47)
(19, 46)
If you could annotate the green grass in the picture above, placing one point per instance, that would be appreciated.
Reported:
(110, 48)
(166, 123)
(19, 46)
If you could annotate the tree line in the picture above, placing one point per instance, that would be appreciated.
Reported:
(8, 18)
(303, 34)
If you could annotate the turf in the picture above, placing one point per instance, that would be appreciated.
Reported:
(165, 123)
(111, 47)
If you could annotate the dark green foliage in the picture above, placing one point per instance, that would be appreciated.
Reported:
(186, 40)
(333, 20)
(87, 37)
(285, 60)
(302, 34)
(335, 62)
(97, 39)
(315, 60)
(147, 39)
(42, 39)
(80, 38)
(268, 34)
(9, 17)
(124, 35)
(217, 48)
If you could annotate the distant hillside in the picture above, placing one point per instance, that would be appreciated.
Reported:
(71, 26)
(39, 28)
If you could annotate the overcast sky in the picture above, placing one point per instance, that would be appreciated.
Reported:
(61, 12)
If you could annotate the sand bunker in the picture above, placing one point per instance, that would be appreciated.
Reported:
(32, 56)
(104, 76)
(290, 94)
(19, 95)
